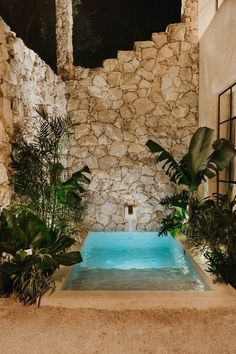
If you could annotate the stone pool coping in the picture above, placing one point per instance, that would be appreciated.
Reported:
(219, 295)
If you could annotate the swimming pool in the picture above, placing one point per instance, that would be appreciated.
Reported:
(134, 261)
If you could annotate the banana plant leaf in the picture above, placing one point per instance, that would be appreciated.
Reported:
(12, 237)
(68, 258)
(200, 163)
(61, 244)
(172, 168)
(46, 261)
(11, 268)
(70, 191)
(199, 150)
(22, 231)
(223, 153)
(35, 230)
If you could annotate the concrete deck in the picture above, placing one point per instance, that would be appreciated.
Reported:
(138, 300)
(220, 295)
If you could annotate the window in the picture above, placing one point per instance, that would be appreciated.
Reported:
(218, 4)
(226, 181)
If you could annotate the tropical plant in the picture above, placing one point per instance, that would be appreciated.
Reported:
(39, 176)
(31, 253)
(198, 164)
(176, 220)
(212, 231)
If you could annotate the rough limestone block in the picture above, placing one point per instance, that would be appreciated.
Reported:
(118, 149)
(125, 56)
(6, 116)
(108, 116)
(130, 79)
(143, 105)
(181, 112)
(159, 39)
(149, 53)
(105, 163)
(164, 53)
(113, 132)
(176, 32)
(89, 140)
(143, 44)
(110, 65)
(99, 81)
(81, 130)
(114, 78)
(167, 82)
(148, 64)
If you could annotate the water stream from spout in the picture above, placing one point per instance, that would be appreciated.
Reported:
(131, 227)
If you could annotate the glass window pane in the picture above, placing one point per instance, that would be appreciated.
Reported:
(224, 175)
(212, 186)
(225, 106)
(233, 130)
(223, 188)
(233, 170)
(233, 193)
(233, 139)
(234, 101)
(225, 130)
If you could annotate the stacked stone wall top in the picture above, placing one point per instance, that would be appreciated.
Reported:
(26, 82)
(150, 92)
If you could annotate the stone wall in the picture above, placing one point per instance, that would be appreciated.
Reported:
(149, 92)
(26, 82)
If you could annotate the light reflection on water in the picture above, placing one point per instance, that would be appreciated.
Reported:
(134, 261)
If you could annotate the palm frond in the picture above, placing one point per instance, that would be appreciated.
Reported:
(199, 150)
(172, 168)
(220, 158)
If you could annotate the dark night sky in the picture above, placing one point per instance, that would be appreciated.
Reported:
(101, 27)
(121, 22)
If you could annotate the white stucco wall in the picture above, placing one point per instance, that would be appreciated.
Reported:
(217, 65)
(217, 61)
(207, 9)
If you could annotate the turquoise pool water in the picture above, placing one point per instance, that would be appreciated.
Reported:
(134, 261)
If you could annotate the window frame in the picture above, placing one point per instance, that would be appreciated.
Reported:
(230, 120)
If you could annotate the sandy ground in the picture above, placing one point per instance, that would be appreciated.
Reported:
(85, 331)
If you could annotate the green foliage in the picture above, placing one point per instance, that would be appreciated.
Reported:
(32, 253)
(36, 235)
(176, 221)
(212, 230)
(199, 164)
(39, 177)
(222, 266)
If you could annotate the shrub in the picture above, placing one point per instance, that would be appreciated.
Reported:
(212, 230)
(41, 180)
(36, 235)
(31, 253)
(203, 160)
(176, 220)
